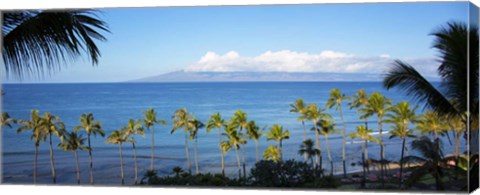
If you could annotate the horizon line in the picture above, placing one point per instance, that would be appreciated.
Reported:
(172, 82)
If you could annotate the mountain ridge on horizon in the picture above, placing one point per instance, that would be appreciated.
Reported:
(190, 76)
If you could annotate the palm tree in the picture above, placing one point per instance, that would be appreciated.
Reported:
(254, 132)
(299, 107)
(431, 160)
(216, 121)
(431, 122)
(6, 120)
(134, 128)
(400, 117)
(276, 133)
(119, 137)
(364, 134)
(458, 126)
(272, 153)
(149, 121)
(379, 105)
(308, 149)
(38, 135)
(91, 126)
(194, 126)
(177, 170)
(44, 41)
(336, 98)
(360, 100)
(315, 114)
(457, 44)
(73, 142)
(52, 126)
(240, 120)
(327, 127)
(234, 140)
(180, 120)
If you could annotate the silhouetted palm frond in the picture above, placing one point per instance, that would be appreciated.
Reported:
(43, 41)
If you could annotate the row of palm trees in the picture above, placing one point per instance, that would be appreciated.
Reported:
(235, 132)
(47, 126)
(401, 117)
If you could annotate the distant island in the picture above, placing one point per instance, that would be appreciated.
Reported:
(188, 76)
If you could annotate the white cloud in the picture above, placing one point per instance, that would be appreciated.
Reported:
(291, 61)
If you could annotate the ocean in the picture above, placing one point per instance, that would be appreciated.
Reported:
(115, 103)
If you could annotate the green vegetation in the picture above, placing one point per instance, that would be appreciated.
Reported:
(132, 129)
(336, 98)
(91, 126)
(364, 134)
(274, 171)
(73, 142)
(400, 117)
(37, 135)
(180, 120)
(276, 133)
(119, 137)
(299, 107)
(149, 121)
(216, 121)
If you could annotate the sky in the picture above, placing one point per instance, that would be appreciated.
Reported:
(341, 38)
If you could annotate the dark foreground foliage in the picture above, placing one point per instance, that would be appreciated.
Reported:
(265, 173)
(186, 179)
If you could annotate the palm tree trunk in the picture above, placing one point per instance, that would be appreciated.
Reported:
(401, 163)
(196, 157)
(329, 156)
(314, 171)
(188, 154)
(256, 151)
(238, 162)
(317, 143)
(304, 139)
(78, 167)
(243, 161)
(457, 145)
(382, 154)
(438, 179)
(35, 165)
(280, 150)
(221, 151)
(366, 147)
(52, 163)
(366, 157)
(406, 153)
(153, 146)
(343, 144)
(135, 161)
(91, 159)
(363, 161)
(121, 165)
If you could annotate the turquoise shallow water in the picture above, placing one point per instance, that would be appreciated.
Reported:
(114, 103)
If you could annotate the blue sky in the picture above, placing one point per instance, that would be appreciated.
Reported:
(325, 37)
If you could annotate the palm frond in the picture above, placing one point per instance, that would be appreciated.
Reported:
(406, 78)
(457, 44)
(43, 41)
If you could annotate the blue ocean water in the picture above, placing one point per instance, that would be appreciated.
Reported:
(115, 103)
